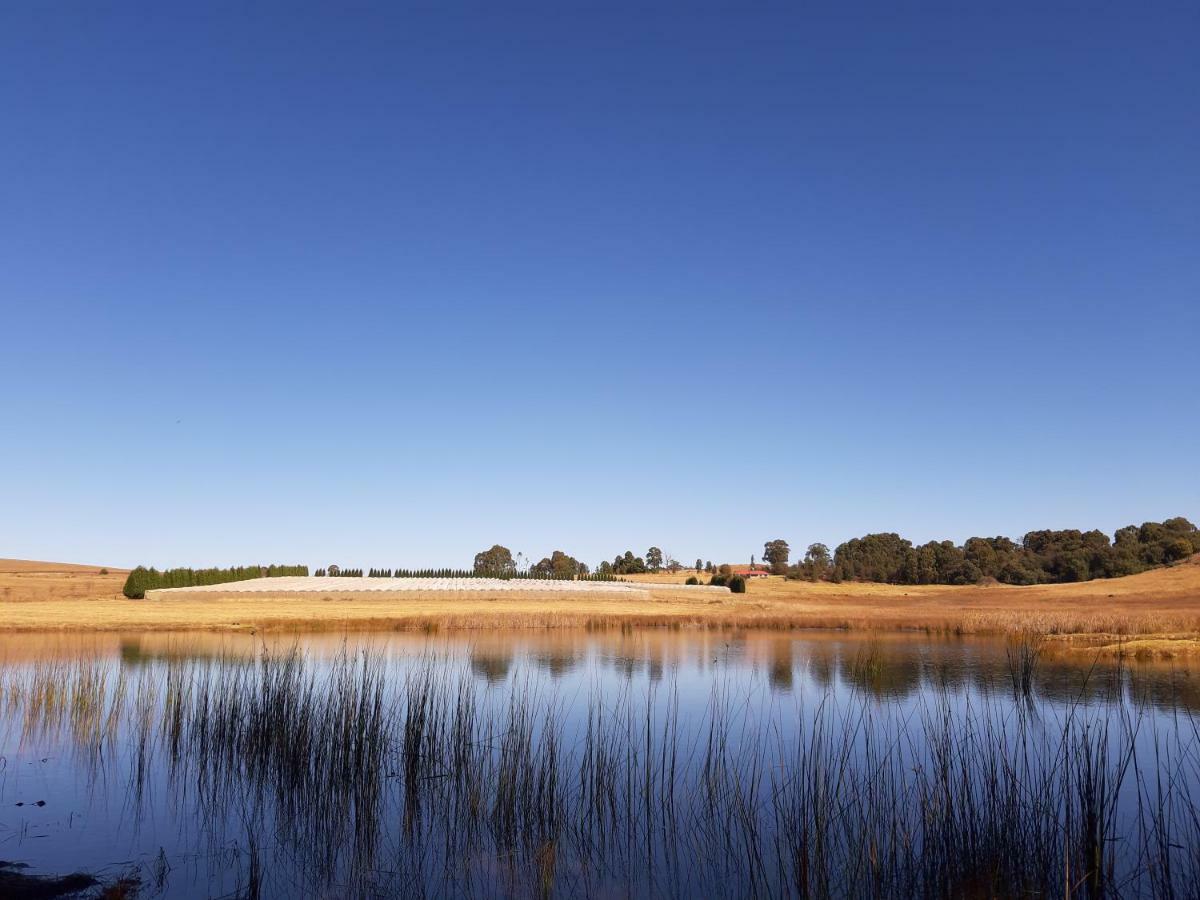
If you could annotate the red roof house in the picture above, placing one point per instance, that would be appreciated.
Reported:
(747, 572)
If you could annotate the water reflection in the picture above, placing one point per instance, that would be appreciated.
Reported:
(884, 666)
(528, 764)
(491, 665)
(781, 665)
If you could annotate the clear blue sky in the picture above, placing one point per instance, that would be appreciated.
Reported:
(387, 285)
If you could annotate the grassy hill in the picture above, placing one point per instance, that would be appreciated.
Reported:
(30, 580)
(26, 566)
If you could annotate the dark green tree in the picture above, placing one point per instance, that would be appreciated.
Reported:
(559, 565)
(775, 554)
(817, 563)
(496, 561)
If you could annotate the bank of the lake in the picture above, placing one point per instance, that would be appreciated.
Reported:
(1153, 613)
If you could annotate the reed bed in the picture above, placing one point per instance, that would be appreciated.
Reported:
(355, 778)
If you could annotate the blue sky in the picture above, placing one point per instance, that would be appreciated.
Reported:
(385, 285)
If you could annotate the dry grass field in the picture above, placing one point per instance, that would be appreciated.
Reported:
(30, 581)
(1157, 611)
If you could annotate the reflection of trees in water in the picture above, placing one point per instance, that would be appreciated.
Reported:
(1069, 680)
(556, 663)
(882, 671)
(492, 665)
(779, 668)
(947, 665)
(1165, 687)
(943, 673)
(822, 663)
(132, 653)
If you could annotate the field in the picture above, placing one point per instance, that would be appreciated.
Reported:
(1159, 611)
(26, 581)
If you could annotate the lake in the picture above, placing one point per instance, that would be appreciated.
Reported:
(611, 763)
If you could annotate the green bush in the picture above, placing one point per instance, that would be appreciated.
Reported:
(737, 585)
(692, 580)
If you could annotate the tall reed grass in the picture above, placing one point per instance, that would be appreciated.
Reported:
(358, 779)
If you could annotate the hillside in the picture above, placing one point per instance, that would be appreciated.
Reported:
(35, 581)
(1163, 604)
(25, 566)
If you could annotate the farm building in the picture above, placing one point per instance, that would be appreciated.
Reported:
(747, 572)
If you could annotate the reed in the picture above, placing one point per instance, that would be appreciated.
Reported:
(353, 779)
(1023, 650)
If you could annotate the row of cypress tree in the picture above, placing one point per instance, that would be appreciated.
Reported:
(464, 573)
(144, 579)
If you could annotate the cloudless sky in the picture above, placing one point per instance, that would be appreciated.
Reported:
(385, 285)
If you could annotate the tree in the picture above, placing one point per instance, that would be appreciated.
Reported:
(1178, 549)
(654, 559)
(559, 565)
(1045, 556)
(628, 564)
(775, 553)
(699, 565)
(817, 562)
(496, 561)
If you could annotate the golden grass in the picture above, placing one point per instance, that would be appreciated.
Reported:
(11, 566)
(1149, 605)
(26, 581)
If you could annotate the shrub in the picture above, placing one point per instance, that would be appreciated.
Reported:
(692, 580)
(737, 585)
(104, 571)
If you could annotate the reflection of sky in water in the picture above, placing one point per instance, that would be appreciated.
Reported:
(771, 682)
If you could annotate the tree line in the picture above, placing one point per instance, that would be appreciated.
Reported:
(144, 579)
(654, 561)
(1041, 557)
(497, 562)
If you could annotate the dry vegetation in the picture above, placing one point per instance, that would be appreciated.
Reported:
(1161, 608)
(31, 581)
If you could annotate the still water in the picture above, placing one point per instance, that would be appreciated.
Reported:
(636, 763)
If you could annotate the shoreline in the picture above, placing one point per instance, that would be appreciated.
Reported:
(1157, 611)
